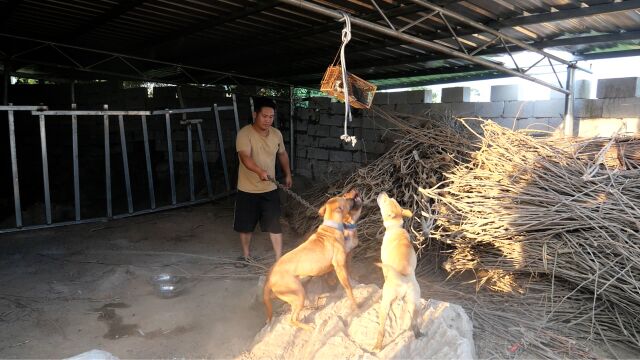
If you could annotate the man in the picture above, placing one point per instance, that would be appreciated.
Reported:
(259, 145)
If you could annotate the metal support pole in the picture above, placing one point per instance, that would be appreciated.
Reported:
(14, 170)
(420, 42)
(45, 169)
(147, 156)
(205, 162)
(292, 130)
(107, 163)
(569, 126)
(167, 121)
(235, 112)
(125, 163)
(113, 55)
(383, 15)
(76, 171)
(192, 194)
(489, 30)
(223, 157)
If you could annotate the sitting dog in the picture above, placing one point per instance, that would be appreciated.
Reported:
(323, 251)
(398, 265)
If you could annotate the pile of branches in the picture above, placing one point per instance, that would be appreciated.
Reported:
(424, 149)
(563, 216)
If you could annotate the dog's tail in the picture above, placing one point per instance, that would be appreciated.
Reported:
(392, 272)
(266, 298)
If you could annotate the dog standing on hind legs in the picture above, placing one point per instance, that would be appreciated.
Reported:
(398, 265)
(322, 252)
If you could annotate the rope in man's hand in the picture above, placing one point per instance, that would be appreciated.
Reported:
(294, 195)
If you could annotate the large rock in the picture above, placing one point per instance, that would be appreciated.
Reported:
(340, 333)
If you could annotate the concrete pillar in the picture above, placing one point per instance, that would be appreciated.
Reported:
(505, 92)
(569, 101)
(618, 88)
(456, 94)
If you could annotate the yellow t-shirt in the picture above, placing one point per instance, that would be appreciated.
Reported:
(263, 150)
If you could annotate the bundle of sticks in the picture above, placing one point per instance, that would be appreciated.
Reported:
(563, 215)
(425, 148)
(549, 227)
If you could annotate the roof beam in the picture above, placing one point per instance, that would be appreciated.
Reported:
(209, 24)
(250, 43)
(362, 66)
(489, 30)
(156, 63)
(461, 77)
(332, 25)
(123, 7)
(418, 41)
(566, 14)
(517, 21)
(609, 55)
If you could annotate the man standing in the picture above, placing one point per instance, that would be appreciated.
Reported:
(258, 146)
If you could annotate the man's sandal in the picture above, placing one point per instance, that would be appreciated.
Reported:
(242, 262)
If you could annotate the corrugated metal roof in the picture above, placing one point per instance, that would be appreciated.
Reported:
(280, 42)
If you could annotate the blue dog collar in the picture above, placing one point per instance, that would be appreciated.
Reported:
(348, 226)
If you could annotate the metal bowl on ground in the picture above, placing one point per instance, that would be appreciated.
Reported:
(167, 285)
(164, 278)
(166, 290)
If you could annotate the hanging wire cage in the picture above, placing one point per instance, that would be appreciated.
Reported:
(361, 92)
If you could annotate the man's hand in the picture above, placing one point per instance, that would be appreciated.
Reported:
(288, 181)
(264, 176)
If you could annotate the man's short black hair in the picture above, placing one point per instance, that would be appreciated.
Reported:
(260, 102)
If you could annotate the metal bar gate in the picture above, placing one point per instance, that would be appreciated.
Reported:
(43, 112)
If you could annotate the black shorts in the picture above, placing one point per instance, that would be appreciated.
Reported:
(252, 208)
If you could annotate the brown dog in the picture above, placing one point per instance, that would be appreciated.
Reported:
(320, 253)
(398, 265)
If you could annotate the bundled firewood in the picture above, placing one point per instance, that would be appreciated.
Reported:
(563, 215)
(425, 147)
(549, 228)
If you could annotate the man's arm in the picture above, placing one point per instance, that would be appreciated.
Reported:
(248, 162)
(283, 159)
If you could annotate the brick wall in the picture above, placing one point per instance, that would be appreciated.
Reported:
(320, 153)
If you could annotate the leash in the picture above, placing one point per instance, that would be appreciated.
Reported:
(294, 195)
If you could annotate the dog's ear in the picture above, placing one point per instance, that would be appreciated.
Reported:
(322, 210)
(407, 213)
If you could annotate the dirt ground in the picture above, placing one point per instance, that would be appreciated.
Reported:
(72, 289)
(64, 291)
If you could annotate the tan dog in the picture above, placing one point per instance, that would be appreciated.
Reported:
(398, 265)
(320, 253)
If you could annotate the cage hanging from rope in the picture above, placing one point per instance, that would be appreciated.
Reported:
(361, 92)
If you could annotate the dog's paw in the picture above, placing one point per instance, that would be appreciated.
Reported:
(355, 306)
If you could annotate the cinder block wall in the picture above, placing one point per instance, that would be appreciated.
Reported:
(321, 154)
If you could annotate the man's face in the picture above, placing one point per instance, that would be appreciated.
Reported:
(263, 119)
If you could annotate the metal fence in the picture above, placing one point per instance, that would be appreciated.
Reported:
(42, 112)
